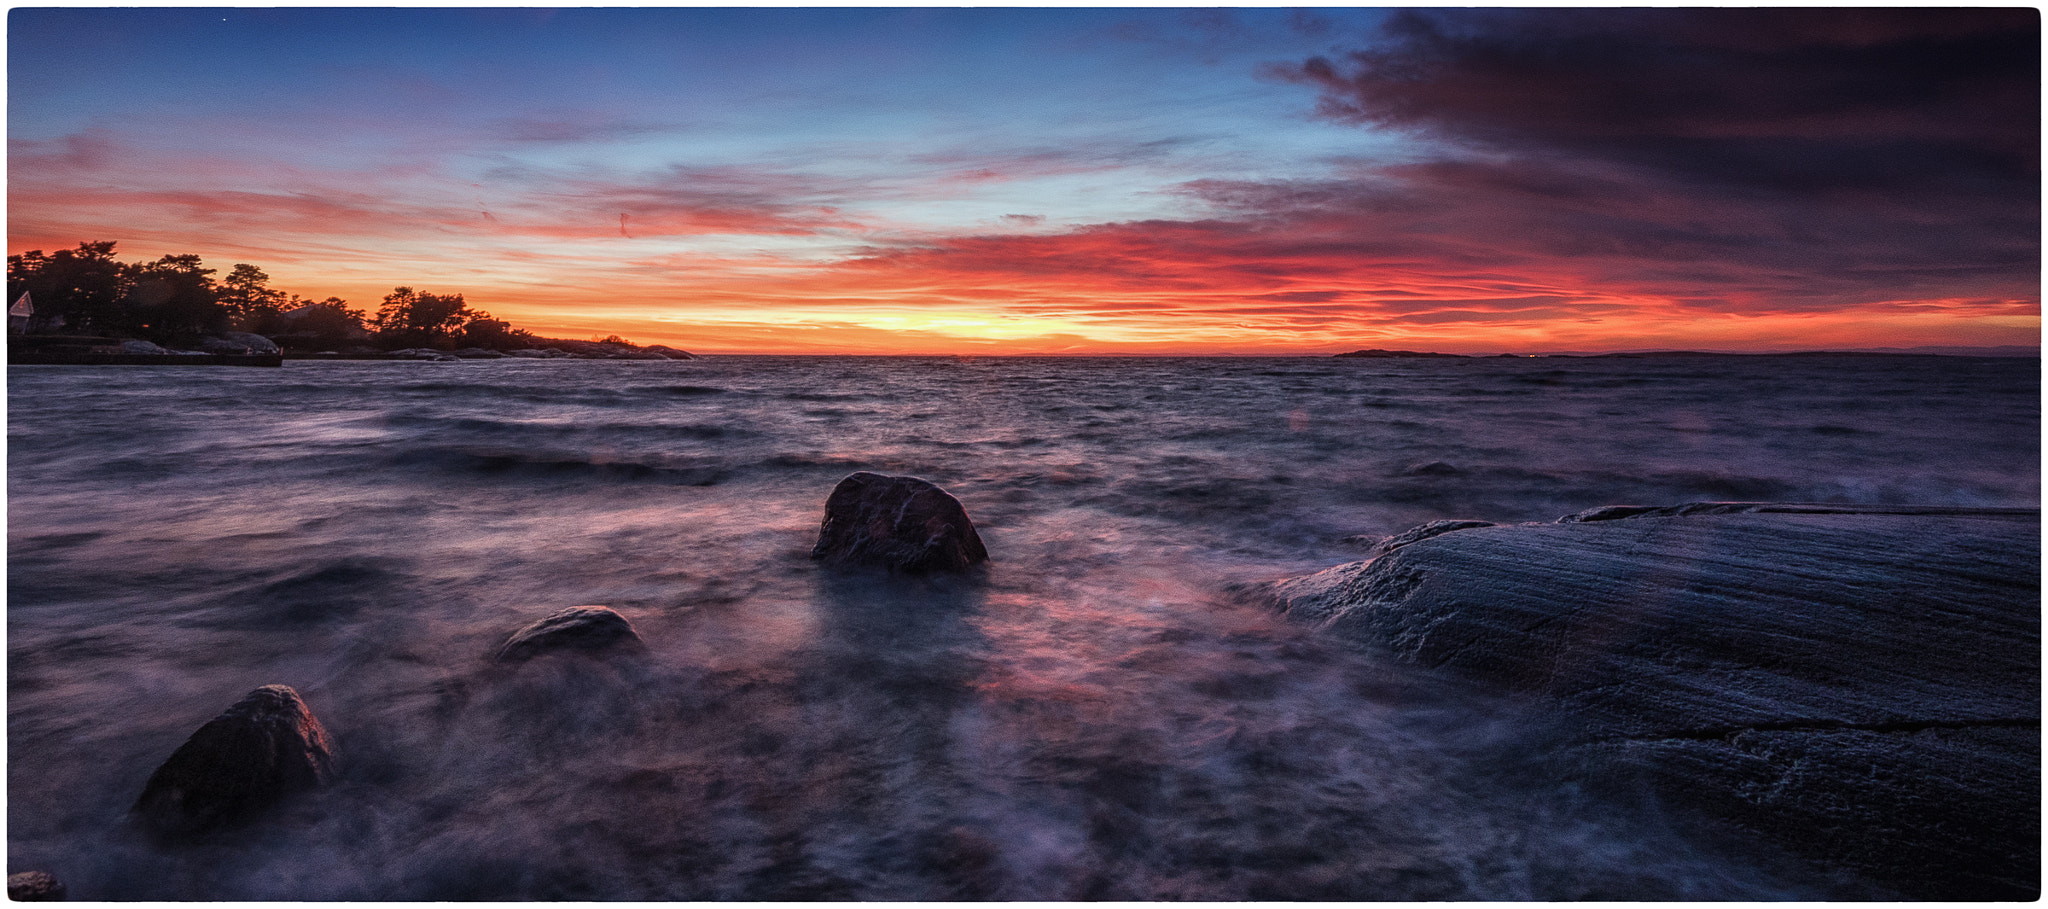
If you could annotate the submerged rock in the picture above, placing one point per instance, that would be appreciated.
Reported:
(1860, 685)
(34, 886)
(266, 746)
(574, 628)
(901, 523)
(1433, 469)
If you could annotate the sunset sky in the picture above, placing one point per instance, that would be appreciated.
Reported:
(1054, 180)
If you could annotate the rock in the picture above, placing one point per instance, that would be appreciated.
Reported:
(238, 342)
(423, 354)
(266, 746)
(1617, 512)
(1433, 469)
(1859, 685)
(477, 353)
(901, 523)
(34, 886)
(142, 347)
(669, 353)
(1422, 532)
(574, 628)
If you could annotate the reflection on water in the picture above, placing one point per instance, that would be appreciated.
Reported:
(1094, 719)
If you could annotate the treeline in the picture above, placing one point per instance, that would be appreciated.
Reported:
(176, 300)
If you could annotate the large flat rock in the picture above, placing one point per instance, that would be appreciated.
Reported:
(1861, 685)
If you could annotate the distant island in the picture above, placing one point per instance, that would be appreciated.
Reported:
(83, 306)
(2006, 351)
(1377, 354)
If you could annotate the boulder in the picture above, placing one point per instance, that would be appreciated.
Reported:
(266, 746)
(900, 523)
(238, 342)
(34, 886)
(669, 353)
(422, 354)
(143, 347)
(1861, 686)
(574, 628)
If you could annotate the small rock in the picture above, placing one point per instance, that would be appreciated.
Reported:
(266, 746)
(34, 887)
(578, 627)
(900, 523)
(238, 342)
(423, 354)
(1433, 469)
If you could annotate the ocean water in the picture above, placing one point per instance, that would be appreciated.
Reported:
(1095, 718)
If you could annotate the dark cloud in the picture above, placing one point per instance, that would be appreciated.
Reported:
(1776, 100)
(1603, 167)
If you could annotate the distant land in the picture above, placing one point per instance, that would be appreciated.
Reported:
(2010, 350)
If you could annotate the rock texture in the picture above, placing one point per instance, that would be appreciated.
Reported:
(901, 523)
(574, 628)
(34, 886)
(1423, 532)
(1860, 685)
(238, 342)
(266, 746)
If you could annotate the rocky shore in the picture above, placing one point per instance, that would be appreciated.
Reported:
(552, 349)
(254, 349)
(1858, 685)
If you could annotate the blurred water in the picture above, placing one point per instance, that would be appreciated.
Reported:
(1094, 720)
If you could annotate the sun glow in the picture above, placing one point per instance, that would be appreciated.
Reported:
(1115, 196)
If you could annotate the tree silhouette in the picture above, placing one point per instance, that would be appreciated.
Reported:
(173, 297)
(247, 297)
(411, 318)
(493, 334)
(81, 289)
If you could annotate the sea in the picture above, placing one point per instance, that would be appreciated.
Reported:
(1101, 714)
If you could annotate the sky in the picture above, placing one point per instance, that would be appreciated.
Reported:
(1069, 181)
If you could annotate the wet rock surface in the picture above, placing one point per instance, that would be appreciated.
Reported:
(238, 342)
(585, 628)
(34, 887)
(1423, 532)
(268, 745)
(1861, 685)
(900, 523)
